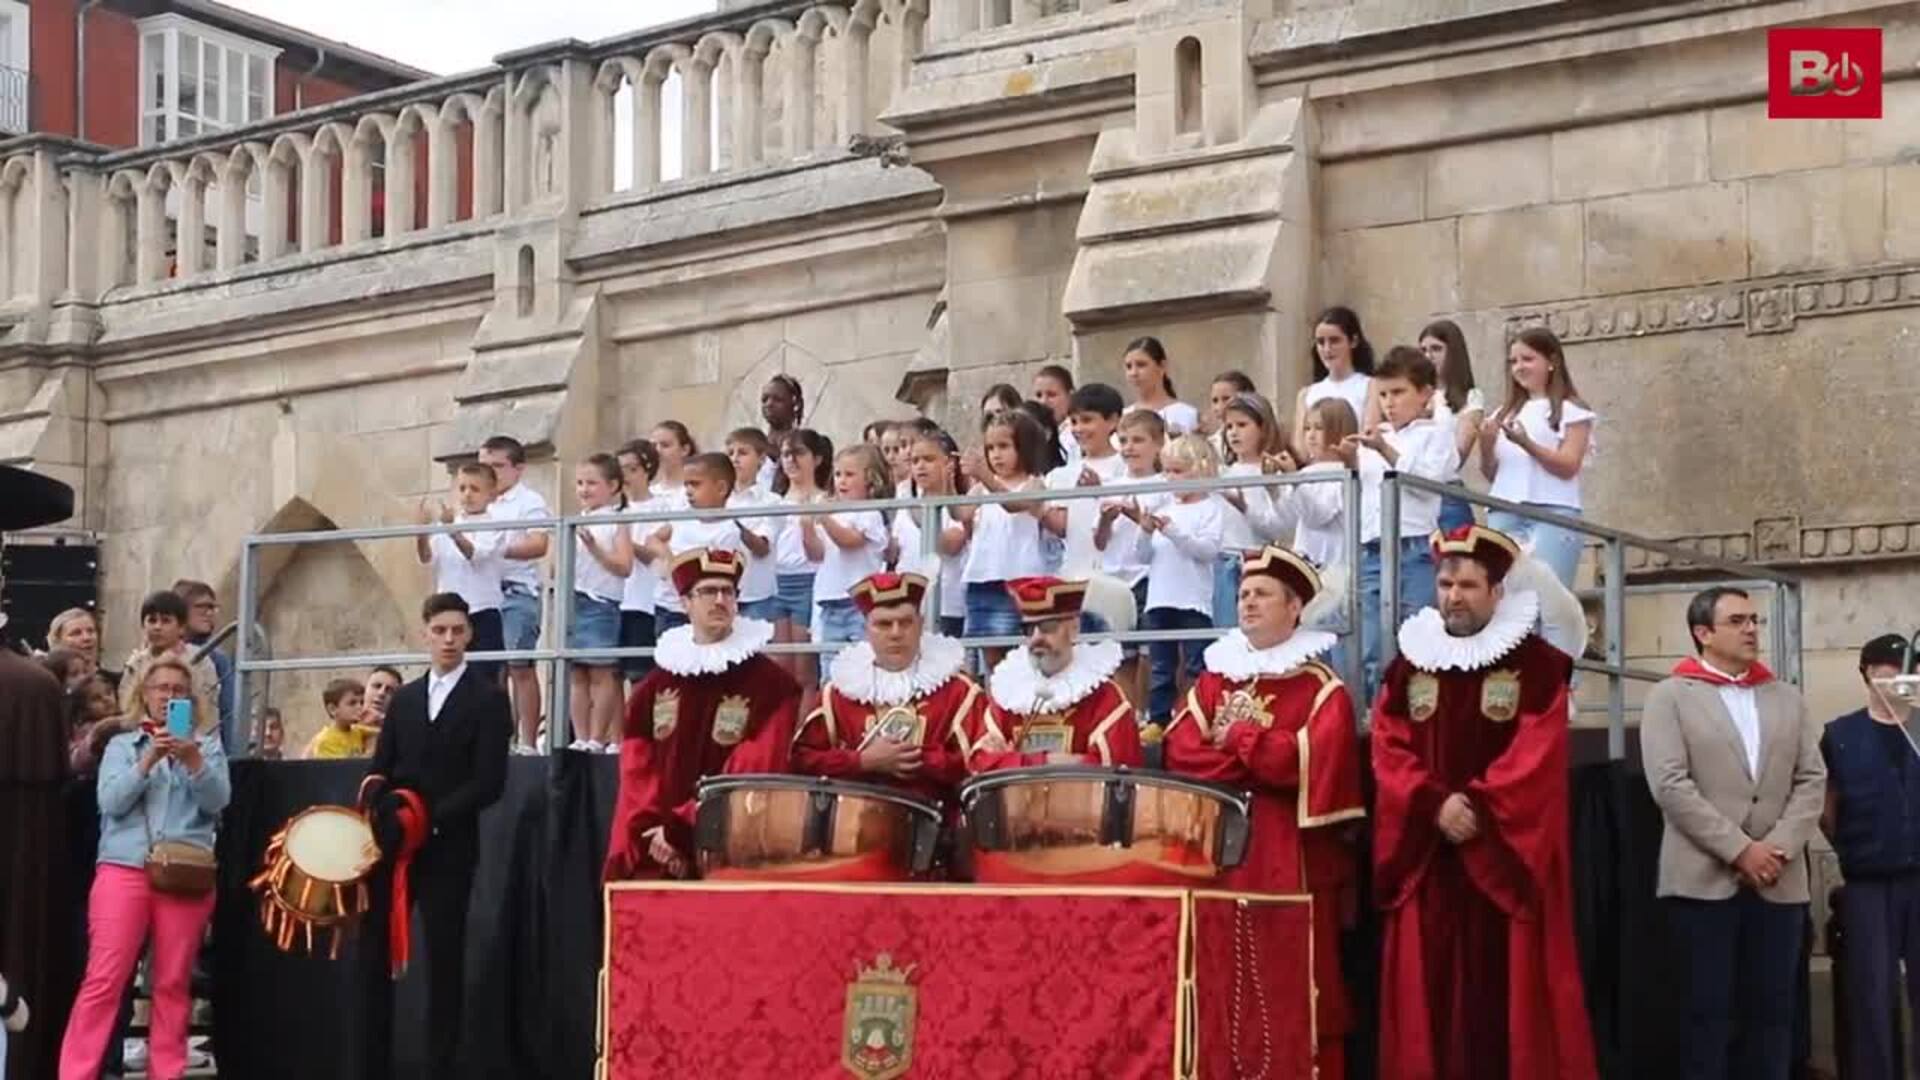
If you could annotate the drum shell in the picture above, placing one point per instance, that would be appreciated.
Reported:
(1072, 825)
(785, 828)
(318, 900)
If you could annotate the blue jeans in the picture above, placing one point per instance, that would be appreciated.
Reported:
(1226, 590)
(1165, 658)
(664, 620)
(793, 598)
(837, 623)
(1416, 592)
(990, 610)
(765, 609)
(636, 632)
(1557, 548)
(519, 620)
(1454, 512)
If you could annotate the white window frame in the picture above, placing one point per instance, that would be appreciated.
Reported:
(16, 93)
(174, 31)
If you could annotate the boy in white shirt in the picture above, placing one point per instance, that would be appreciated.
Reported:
(469, 563)
(1140, 435)
(1093, 411)
(749, 450)
(709, 483)
(1180, 537)
(1410, 442)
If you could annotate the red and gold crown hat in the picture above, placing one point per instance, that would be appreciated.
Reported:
(886, 589)
(1490, 548)
(691, 566)
(1292, 570)
(1042, 599)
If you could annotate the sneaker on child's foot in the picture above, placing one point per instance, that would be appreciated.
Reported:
(610, 748)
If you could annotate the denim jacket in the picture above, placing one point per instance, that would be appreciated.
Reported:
(165, 804)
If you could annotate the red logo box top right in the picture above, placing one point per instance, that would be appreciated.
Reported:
(1823, 74)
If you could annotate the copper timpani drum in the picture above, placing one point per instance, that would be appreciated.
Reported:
(1087, 825)
(314, 878)
(794, 828)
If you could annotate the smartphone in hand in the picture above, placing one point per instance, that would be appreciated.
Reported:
(180, 718)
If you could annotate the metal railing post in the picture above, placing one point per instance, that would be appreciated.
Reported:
(560, 693)
(1389, 569)
(1789, 631)
(930, 556)
(240, 674)
(1614, 619)
(1355, 662)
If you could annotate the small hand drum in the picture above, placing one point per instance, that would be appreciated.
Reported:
(769, 827)
(314, 876)
(1061, 824)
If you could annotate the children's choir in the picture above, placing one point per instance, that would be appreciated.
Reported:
(1412, 410)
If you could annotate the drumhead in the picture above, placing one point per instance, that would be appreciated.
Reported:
(331, 843)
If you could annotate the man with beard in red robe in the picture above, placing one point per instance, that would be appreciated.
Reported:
(1054, 701)
(1480, 979)
(896, 706)
(713, 704)
(1269, 718)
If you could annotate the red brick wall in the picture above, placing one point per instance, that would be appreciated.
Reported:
(51, 47)
(292, 83)
(113, 78)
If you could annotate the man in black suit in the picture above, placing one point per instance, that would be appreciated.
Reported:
(441, 759)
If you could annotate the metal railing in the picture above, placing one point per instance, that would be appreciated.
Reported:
(1784, 589)
(927, 509)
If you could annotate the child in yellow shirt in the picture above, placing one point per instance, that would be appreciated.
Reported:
(342, 737)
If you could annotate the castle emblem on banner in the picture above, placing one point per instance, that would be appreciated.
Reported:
(877, 1041)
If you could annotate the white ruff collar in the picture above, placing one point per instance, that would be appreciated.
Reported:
(1018, 686)
(680, 655)
(1235, 658)
(857, 678)
(1427, 645)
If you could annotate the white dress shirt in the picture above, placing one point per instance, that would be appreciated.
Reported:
(518, 503)
(1744, 708)
(439, 687)
(1424, 449)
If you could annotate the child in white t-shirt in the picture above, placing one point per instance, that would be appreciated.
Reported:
(849, 545)
(639, 465)
(708, 483)
(602, 559)
(1093, 413)
(1141, 436)
(1180, 539)
(806, 463)
(748, 448)
(470, 563)
(1004, 538)
(935, 462)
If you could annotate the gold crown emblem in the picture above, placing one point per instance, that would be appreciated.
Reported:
(883, 971)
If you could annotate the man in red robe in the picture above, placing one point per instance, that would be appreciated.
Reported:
(896, 706)
(1269, 718)
(1480, 979)
(1054, 701)
(713, 704)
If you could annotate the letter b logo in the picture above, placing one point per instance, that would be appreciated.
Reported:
(1823, 74)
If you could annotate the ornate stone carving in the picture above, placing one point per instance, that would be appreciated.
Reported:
(1770, 306)
(1779, 540)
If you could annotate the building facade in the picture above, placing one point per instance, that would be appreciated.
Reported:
(901, 202)
(123, 73)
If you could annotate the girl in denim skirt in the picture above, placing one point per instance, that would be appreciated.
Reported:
(603, 557)
(1004, 538)
(850, 546)
(806, 466)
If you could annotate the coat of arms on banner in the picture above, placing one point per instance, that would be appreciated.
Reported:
(666, 714)
(730, 720)
(1500, 696)
(877, 1041)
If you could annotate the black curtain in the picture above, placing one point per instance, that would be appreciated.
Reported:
(533, 955)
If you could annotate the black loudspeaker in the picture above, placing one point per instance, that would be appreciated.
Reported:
(39, 580)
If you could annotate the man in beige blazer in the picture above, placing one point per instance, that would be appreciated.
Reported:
(1734, 762)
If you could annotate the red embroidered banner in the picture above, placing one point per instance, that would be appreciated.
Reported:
(789, 982)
